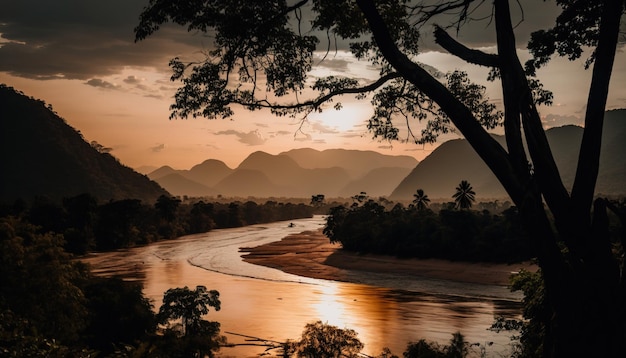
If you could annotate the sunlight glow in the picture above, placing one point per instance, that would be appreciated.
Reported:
(329, 307)
(351, 115)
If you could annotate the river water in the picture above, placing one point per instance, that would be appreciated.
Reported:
(385, 310)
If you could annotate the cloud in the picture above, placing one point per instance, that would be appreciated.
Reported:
(251, 138)
(303, 137)
(155, 96)
(322, 128)
(331, 63)
(352, 134)
(72, 39)
(133, 80)
(96, 82)
(280, 133)
(158, 148)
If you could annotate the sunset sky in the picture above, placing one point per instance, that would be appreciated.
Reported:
(80, 57)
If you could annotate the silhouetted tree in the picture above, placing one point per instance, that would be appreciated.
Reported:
(464, 195)
(420, 200)
(317, 200)
(320, 340)
(359, 198)
(199, 337)
(584, 285)
(119, 314)
(201, 217)
(166, 207)
(81, 215)
(188, 305)
(117, 224)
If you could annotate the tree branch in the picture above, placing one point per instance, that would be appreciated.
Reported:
(459, 8)
(546, 171)
(316, 103)
(589, 155)
(519, 104)
(459, 50)
(492, 153)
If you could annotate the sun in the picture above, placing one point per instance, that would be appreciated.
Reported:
(350, 117)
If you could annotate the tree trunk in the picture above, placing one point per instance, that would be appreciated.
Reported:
(585, 295)
(583, 284)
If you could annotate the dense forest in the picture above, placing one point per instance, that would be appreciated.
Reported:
(462, 235)
(87, 225)
(491, 232)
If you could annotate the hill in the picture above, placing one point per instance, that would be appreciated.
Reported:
(249, 182)
(296, 173)
(41, 155)
(197, 181)
(356, 162)
(178, 185)
(455, 160)
(377, 182)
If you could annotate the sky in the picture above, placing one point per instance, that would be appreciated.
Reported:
(80, 57)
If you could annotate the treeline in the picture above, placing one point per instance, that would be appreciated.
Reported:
(368, 226)
(87, 225)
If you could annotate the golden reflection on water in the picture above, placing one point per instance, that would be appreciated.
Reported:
(328, 307)
(280, 310)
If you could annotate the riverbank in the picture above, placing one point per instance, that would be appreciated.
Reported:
(311, 254)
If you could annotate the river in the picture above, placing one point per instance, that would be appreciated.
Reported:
(385, 310)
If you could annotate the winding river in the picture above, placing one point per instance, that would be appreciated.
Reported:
(385, 310)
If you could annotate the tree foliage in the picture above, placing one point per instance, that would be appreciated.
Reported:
(420, 200)
(190, 306)
(464, 195)
(40, 282)
(321, 340)
(461, 235)
(457, 348)
(51, 306)
(265, 61)
(199, 337)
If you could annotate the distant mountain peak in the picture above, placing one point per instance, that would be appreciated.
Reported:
(455, 160)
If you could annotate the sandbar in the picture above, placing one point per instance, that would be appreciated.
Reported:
(310, 254)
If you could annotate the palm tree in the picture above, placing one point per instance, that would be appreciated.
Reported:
(464, 196)
(421, 200)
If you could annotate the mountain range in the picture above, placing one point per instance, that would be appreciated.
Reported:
(453, 161)
(295, 173)
(41, 155)
(344, 173)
